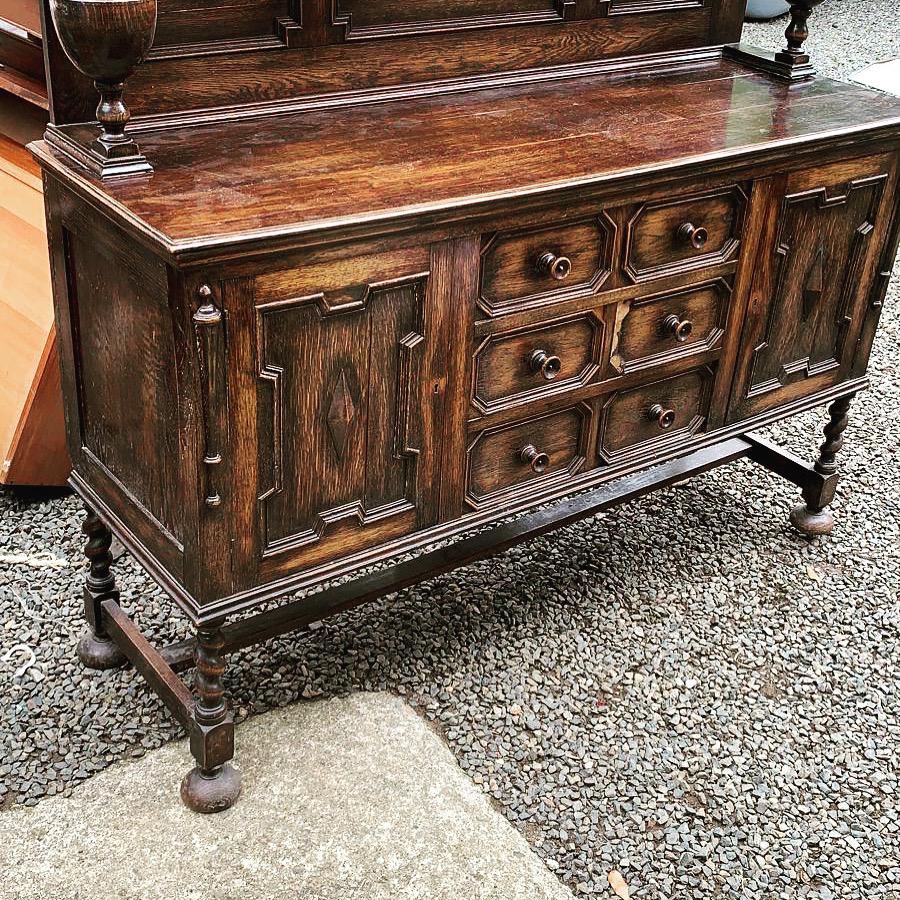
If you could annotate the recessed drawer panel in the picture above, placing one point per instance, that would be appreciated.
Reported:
(670, 236)
(662, 413)
(653, 330)
(531, 361)
(526, 455)
(521, 268)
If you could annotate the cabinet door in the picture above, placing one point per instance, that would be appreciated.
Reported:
(818, 255)
(350, 357)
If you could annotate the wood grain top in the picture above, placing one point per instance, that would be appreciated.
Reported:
(226, 185)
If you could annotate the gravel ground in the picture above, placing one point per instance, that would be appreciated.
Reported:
(682, 689)
(844, 36)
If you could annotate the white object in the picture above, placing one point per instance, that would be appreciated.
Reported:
(767, 9)
(883, 76)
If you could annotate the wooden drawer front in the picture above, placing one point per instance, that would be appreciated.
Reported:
(671, 236)
(538, 452)
(656, 329)
(520, 364)
(658, 414)
(521, 268)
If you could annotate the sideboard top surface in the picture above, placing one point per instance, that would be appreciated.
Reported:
(231, 184)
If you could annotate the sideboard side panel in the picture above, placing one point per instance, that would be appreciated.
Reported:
(883, 273)
(119, 356)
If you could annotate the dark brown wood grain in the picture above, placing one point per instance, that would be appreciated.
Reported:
(208, 56)
(662, 412)
(660, 327)
(683, 233)
(819, 255)
(435, 159)
(575, 245)
(530, 266)
(151, 664)
(105, 40)
(497, 461)
(125, 337)
(297, 403)
(547, 358)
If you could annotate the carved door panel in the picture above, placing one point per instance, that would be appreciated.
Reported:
(810, 294)
(350, 358)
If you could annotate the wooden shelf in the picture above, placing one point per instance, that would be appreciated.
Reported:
(24, 88)
(22, 52)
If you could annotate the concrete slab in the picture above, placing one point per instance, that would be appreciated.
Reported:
(883, 76)
(349, 799)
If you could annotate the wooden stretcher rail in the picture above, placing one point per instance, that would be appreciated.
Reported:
(148, 661)
(782, 462)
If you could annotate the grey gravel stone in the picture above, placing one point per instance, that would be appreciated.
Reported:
(683, 688)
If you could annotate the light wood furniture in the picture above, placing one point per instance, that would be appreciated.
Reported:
(362, 276)
(32, 430)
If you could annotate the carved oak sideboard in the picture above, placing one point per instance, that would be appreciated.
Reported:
(359, 277)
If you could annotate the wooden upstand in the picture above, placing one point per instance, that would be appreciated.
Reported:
(358, 277)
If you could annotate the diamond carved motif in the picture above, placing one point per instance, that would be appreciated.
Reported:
(341, 414)
(814, 285)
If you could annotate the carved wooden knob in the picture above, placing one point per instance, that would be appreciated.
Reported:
(547, 365)
(538, 461)
(680, 329)
(694, 235)
(663, 417)
(557, 267)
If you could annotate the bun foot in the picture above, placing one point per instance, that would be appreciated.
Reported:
(99, 653)
(213, 792)
(812, 523)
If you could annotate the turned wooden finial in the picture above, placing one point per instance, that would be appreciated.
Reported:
(107, 40)
(797, 33)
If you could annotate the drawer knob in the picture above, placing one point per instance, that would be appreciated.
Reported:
(538, 461)
(696, 236)
(547, 365)
(680, 329)
(557, 267)
(663, 417)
